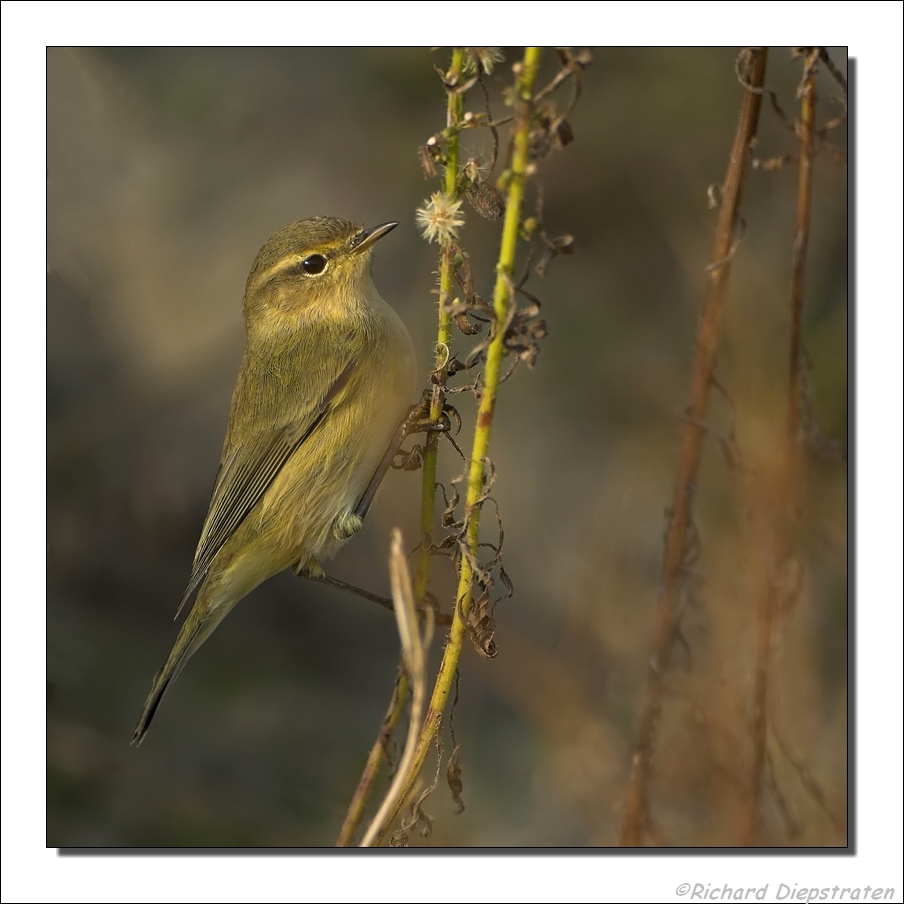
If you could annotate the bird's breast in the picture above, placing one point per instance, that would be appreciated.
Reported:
(328, 473)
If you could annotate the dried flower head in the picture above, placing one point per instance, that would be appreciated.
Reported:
(485, 57)
(440, 218)
(475, 169)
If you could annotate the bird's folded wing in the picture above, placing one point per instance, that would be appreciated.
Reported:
(245, 475)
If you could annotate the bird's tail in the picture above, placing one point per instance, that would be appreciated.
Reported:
(194, 632)
(217, 597)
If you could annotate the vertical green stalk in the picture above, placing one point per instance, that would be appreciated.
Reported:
(455, 105)
(502, 299)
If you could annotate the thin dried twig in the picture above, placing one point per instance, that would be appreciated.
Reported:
(414, 648)
(753, 68)
(833, 69)
(789, 482)
(809, 783)
(378, 754)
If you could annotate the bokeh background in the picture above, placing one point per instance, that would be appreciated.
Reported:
(167, 170)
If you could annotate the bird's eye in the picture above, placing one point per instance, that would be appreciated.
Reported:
(314, 264)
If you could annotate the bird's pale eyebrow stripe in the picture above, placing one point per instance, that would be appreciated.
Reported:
(281, 266)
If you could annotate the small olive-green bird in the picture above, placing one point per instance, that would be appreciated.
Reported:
(327, 375)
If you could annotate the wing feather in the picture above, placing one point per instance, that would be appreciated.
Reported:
(246, 474)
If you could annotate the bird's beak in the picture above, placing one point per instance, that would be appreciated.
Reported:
(367, 237)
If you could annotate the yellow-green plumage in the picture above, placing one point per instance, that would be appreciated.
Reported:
(326, 378)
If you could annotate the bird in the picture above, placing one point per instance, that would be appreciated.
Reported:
(327, 374)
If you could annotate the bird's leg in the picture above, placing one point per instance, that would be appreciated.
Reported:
(383, 601)
(314, 572)
(310, 568)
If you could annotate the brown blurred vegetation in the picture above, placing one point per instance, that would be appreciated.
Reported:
(167, 169)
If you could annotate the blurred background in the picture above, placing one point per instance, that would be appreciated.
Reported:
(167, 170)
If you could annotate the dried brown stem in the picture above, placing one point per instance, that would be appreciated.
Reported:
(753, 68)
(808, 782)
(374, 761)
(833, 69)
(414, 655)
(789, 479)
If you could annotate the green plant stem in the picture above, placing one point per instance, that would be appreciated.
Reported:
(502, 299)
(454, 112)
